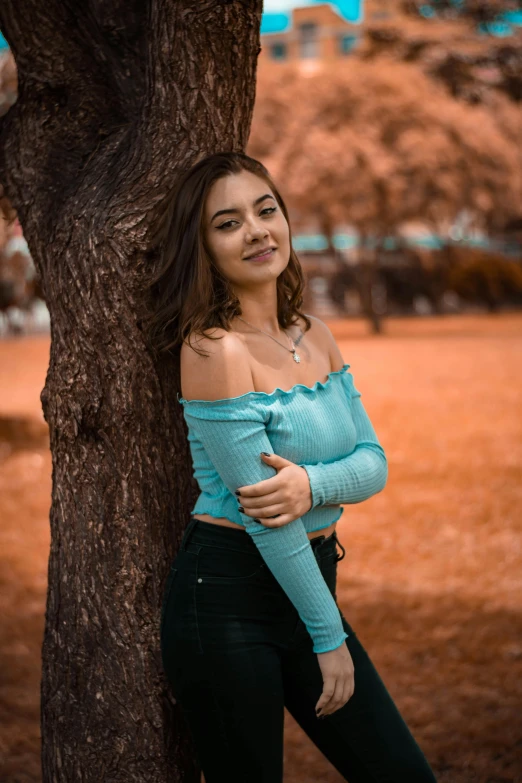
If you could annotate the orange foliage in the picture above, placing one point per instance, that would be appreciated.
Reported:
(377, 144)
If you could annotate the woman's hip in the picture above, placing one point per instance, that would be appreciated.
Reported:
(220, 590)
(223, 565)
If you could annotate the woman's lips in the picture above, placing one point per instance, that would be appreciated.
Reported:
(263, 257)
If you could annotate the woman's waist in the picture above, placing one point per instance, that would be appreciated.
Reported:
(224, 522)
(228, 538)
(223, 511)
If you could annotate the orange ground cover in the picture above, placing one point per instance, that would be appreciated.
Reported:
(432, 578)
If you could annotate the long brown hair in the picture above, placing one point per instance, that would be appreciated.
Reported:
(187, 292)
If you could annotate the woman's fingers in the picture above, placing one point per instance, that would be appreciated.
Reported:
(326, 695)
(336, 695)
(284, 519)
(338, 679)
(264, 511)
(271, 516)
(348, 691)
(260, 501)
(261, 507)
(336, 699)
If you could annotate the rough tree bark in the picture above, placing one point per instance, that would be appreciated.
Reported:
(114, 98)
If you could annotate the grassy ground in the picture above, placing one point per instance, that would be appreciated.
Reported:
(432, 578)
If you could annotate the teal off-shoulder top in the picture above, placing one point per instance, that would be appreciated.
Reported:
(324, 429)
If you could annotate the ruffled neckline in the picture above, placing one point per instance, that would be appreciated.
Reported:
(277, 391)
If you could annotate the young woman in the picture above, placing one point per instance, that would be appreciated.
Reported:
(279, 439)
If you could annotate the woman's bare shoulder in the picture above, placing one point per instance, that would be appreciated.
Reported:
(326, 341)
(223, 372)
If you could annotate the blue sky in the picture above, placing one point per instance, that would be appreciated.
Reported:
(274, 6)
(350, 7)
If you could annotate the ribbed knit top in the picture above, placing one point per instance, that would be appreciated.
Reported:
(324, 429)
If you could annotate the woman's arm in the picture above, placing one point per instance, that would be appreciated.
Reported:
(364, 471)
(360, 474)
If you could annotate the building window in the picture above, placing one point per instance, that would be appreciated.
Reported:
(278, 51)
(308, 40)
(347, 43)
(427, 11)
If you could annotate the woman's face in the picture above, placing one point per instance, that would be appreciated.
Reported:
(242, 218)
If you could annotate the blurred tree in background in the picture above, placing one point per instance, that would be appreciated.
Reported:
(21, 296)
(421, 123)
(372, 151)
(420, 126)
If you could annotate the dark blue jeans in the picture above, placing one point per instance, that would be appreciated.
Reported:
(236, 653)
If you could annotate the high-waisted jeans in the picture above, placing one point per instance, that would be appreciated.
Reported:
(236, 653)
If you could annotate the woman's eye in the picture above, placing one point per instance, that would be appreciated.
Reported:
(269, 210)
(224, 225)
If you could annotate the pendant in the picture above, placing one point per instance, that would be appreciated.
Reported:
(296, 357)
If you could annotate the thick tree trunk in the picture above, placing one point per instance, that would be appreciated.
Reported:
(328, 231)
(366, 277)
(114, 99)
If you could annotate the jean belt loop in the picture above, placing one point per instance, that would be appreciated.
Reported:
(188, 532)
(339, 543)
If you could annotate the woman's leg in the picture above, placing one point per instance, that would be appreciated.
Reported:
(366, 740)
(233, 706)
(220, 648)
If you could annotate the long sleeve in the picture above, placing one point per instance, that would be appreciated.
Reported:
(360, 474)
(233, 433)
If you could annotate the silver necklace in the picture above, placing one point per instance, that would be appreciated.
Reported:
(295, 356)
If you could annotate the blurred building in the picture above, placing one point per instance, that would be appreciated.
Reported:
(309, 31)
(317, 31)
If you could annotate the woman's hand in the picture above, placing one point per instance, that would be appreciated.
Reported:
(338, 679)
(280, 499)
